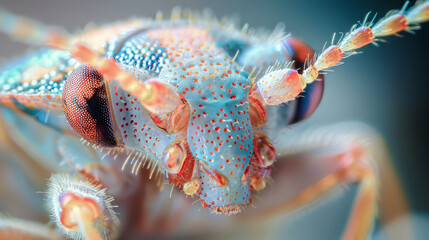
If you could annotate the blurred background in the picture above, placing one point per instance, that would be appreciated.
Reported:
(386, 87)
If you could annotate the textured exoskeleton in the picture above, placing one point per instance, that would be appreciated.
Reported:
(193, 101)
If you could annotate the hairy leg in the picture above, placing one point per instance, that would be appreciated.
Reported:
(317, 162)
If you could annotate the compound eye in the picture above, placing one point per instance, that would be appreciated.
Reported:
(86, 106)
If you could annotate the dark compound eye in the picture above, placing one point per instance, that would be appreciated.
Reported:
(311, 97)
(86, 106)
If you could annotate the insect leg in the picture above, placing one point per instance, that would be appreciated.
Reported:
(321, 161)
(80, 208)
(14, 228)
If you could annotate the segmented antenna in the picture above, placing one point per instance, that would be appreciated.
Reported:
(284, 85)
(394, 22)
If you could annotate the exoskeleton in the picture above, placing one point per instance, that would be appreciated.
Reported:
(189, 101)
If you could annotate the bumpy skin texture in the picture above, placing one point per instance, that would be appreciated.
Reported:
(199, 64)
(219, 132)
(36, 81)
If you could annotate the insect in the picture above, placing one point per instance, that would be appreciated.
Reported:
(190, 99)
